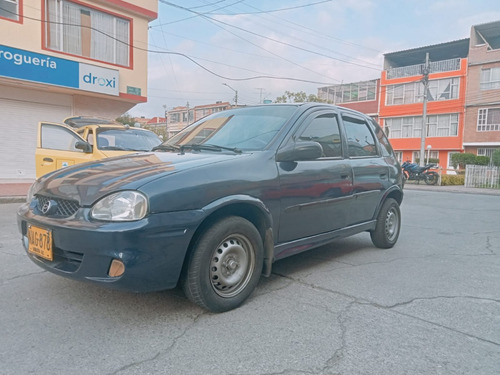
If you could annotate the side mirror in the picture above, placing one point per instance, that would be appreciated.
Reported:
(84, 146)
(300, 151)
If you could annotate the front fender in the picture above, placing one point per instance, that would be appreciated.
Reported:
(239, 201)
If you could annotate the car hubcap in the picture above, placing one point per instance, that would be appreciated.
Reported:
(232, 266)
(391, 224)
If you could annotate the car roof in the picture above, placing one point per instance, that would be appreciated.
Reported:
(80, 121)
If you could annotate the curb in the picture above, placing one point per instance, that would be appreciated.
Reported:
(452, 189)
(15, 199)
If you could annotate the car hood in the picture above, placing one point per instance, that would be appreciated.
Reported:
(89, 182)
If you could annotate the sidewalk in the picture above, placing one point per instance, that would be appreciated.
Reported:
(14, 192)
(450, 189)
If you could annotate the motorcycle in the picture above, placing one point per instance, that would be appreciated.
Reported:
(412, 171)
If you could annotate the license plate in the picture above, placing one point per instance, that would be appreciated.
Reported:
(40, 242)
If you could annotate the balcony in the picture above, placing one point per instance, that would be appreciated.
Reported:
(417, 70)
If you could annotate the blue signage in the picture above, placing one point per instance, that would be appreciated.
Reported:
(35, 67)
(21, 64)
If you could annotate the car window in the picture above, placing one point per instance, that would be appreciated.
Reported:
(250, 128)
(324, 129)
(385, 146)
(58, 138)
(360, 140)
(126, 140)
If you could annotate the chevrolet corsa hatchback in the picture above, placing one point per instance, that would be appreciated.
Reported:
(82, 139)
(213, 207)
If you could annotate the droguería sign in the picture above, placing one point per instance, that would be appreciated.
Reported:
(36, 67)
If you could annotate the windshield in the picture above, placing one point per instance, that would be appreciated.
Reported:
(250, 128)
(126, 139)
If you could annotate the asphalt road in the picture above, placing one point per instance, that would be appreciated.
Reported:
(430, 305)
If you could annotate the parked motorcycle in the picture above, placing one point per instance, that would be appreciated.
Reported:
(412, 171)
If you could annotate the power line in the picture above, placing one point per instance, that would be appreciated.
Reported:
(264, 76)
(268, 38)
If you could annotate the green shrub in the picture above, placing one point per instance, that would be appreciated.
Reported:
(431, 161)
(495, 158)
(452, 179)
(482, 160)
(462, 159)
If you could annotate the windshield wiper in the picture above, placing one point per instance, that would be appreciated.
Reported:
(209, 147)
(163, 147)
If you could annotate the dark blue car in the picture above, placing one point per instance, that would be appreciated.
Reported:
(213, 207)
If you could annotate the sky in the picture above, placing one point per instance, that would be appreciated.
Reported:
(204, 51)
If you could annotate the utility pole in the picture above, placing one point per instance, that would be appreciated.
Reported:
(235, 94)
(260, 98)
(425, 81)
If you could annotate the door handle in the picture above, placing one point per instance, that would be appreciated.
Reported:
(48, 160)
(383, 175)
(344, 176)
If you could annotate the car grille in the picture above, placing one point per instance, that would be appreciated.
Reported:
(64, 207)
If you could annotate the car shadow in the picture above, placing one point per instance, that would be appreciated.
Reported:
(90, 299)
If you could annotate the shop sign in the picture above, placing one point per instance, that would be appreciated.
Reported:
(35, 67)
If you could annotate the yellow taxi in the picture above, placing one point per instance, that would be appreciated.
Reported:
(80, 139)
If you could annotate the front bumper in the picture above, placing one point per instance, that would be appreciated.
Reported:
(152, 249)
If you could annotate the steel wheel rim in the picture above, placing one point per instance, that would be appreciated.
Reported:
(391, 224)
(231, 266)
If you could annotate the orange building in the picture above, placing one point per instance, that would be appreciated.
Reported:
(401, 100)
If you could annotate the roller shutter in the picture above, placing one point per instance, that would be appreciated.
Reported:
(19, 121)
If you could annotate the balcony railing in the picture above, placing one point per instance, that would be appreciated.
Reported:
(417, 70)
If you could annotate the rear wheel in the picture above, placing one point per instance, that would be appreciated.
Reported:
(225, 265)
(431, 178)
(386, 233)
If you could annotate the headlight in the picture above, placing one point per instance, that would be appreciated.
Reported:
(122, 206)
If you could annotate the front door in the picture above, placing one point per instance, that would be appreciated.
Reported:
(56, 148)
(315, 194)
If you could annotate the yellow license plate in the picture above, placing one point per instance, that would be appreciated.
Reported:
(40, 242)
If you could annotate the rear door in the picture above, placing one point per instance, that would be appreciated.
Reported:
(56, 148)
(315, 194)
(370, 170)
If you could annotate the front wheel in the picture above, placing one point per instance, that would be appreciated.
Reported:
(386, 232)
(431, 178)
(225, 265)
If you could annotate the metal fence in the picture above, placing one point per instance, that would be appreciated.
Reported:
(479, 176)
(416, 70)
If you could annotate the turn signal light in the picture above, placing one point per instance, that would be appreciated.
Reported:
(117, 268)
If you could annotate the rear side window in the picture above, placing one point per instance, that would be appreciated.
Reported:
(360, 140)
(324, 129)
(385, 146)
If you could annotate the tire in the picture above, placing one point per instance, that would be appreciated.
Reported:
(386, 231)
(225, 265)
(431, 178)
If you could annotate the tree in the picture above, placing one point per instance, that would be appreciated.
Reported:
(125, 119)
(297, 97)
(495, 158)
(462, 159)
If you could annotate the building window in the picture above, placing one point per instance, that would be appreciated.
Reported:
(352, 92)
(9, 9)
(399, 156)
(490, 78)
(487, 152)
(413, 92)
(488, 119)
(411, 127)
(175, 117)
(428, 155)
(83, 31)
